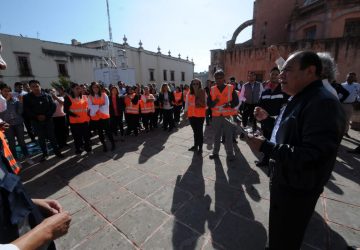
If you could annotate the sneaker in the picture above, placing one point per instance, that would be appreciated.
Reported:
(214, 156)
(29, 161)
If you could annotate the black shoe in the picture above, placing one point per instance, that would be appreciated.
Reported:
(214, 156)
(44, 157)
(193, 148)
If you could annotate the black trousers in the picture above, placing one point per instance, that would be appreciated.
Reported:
(248, 113)
(154, 118)
(146, 120)
(208, 116)
(101, 126)
(132, 123)
(168, 115)
(290, 213)
(116, 122)
(61, 130)
(45, 130)
(177, 111)
(81, 135)
(196, 124)
(29, 128)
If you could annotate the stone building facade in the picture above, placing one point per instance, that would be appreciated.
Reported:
(318, 25)
(46, 61)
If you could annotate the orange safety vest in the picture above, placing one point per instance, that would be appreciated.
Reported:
(224, 97)
(194, 111)
(185, 92)
(9, 156)
(178, 98)
(130, 107)
(145, 106)
(79, 106)
(96, 100)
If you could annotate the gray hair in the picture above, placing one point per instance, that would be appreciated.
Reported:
(329, 69)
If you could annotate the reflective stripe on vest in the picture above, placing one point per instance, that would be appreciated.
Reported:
(130, 107)
(79, 106)
(9, 156)
(99, 101)
(146, 107)
(194, 111)
(219, 109)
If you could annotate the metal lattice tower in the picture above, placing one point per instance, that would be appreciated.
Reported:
(111, 45)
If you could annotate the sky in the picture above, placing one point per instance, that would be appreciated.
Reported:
(187, 27)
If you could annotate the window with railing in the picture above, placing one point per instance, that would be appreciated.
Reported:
(352, 27)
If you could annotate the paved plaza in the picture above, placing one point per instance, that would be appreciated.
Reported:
(152, 193)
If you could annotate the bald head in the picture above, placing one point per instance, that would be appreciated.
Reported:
(300, 69)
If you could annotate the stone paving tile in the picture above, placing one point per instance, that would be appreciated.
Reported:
(253, 210)
(107, 239)
(345, 194)
(167, 173)
(110, 167)
(169, 199)
(144, 186)
(140, 222)
(196, 214)
(116, 204)
(222, 195)
(83, 223)
(341, 237)
(84, 179)
(98, 191)
(174, 235)
(47, 187)
(147, 164)
(72, 203)
(126, 175)
(316, 234)
(238, 233)
(343, 214)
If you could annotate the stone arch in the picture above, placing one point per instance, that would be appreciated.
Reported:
(244, 25)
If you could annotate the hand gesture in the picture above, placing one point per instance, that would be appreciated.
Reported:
(48, 207)
(255, 142)
(56, 225)
(260, 114)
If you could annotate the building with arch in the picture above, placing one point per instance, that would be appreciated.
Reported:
(318, 25)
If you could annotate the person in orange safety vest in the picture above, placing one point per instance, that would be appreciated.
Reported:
(77, 108)
(222, 101)
(195, 110)
(100, 114)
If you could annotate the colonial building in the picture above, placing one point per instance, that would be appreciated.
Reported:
(30, 58)
(318, 25)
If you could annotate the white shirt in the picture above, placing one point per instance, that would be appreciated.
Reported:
(3, 105)
(354, 90)
(330, 88)
(8, 247)
(59, 112)
(277, 123)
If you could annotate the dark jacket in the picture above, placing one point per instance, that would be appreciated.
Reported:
(307, 141)
(272, 102)
(38, 105)
(171, 98)
(15, 204)
(120, 104)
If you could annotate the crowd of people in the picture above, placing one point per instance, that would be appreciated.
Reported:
(303, 119)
